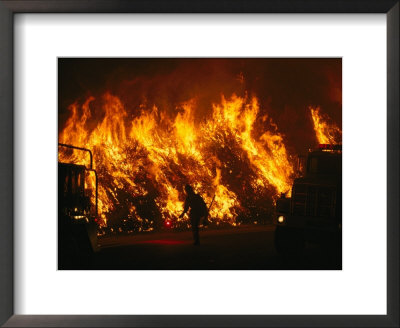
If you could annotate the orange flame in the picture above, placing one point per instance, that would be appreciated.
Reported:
(326, 133)
(143, 162)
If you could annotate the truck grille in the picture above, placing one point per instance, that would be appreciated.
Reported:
(313, 201)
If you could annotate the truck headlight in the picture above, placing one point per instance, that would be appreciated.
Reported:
(281, 219)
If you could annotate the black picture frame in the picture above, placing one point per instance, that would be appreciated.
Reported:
(7, 10)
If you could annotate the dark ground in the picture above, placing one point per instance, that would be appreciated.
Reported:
(240, 248)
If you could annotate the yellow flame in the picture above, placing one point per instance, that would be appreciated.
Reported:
(151, 156)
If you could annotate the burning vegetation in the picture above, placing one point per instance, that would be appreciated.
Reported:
(235, 155)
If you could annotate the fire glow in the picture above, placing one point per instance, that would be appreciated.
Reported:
(235, 155)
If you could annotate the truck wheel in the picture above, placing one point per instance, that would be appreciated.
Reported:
(289, 241)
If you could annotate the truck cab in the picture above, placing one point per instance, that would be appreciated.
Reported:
(77, 215)
(314, 211)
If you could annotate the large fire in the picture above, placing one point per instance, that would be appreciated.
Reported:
(235, 156)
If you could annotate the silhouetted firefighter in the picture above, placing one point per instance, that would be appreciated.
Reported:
(198, 210)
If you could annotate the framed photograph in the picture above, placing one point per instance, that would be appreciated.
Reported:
(202, 164)
(160, 169)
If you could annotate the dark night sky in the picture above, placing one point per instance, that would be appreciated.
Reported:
(284, 87)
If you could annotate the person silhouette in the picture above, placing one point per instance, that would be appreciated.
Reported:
(198, 210)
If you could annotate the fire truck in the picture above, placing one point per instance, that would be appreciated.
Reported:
(77, 216)
(314, 211)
